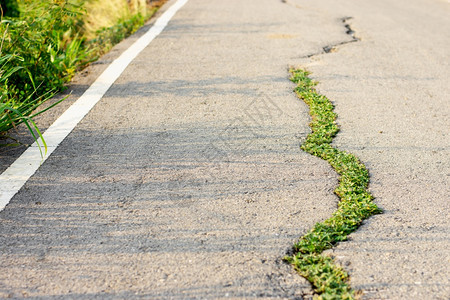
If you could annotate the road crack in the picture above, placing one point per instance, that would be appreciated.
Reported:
(328, 279)
(333, 47)
(356, 203)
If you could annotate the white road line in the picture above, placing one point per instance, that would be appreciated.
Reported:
(13, 178)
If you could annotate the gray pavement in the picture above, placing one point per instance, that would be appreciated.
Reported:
(187, 181)
(391, 92)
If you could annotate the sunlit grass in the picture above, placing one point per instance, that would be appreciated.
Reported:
(102, 14)
(329, 280)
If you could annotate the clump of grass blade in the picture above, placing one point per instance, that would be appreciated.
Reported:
(356, 203)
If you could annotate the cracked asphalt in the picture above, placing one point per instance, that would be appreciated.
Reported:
(187, 181)
(391, 92)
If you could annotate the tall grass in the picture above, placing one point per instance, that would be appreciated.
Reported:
(47, 41)
(35, 60)
(108, 22)
(105, 14)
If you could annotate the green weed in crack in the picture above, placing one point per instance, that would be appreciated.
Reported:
(329, 280)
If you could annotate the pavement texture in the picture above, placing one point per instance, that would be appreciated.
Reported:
(187, 181)
(391, 92)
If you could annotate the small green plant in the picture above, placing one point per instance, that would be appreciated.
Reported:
(13, 114)
(10, 116)
(329, 280)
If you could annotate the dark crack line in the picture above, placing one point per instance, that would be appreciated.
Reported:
(333, 47)
(350, 30)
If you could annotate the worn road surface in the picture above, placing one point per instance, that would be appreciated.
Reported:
(186, 180)
(392, 92)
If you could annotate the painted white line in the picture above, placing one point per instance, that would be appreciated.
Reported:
(13, 178)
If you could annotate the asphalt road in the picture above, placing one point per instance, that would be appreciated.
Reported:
(186, 180)
(391, 92)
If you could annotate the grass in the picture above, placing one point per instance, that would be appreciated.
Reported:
(45, 42)
(329, 280)
(106, 23)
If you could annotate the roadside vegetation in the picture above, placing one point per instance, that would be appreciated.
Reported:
(329, 280)
(45, 42)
